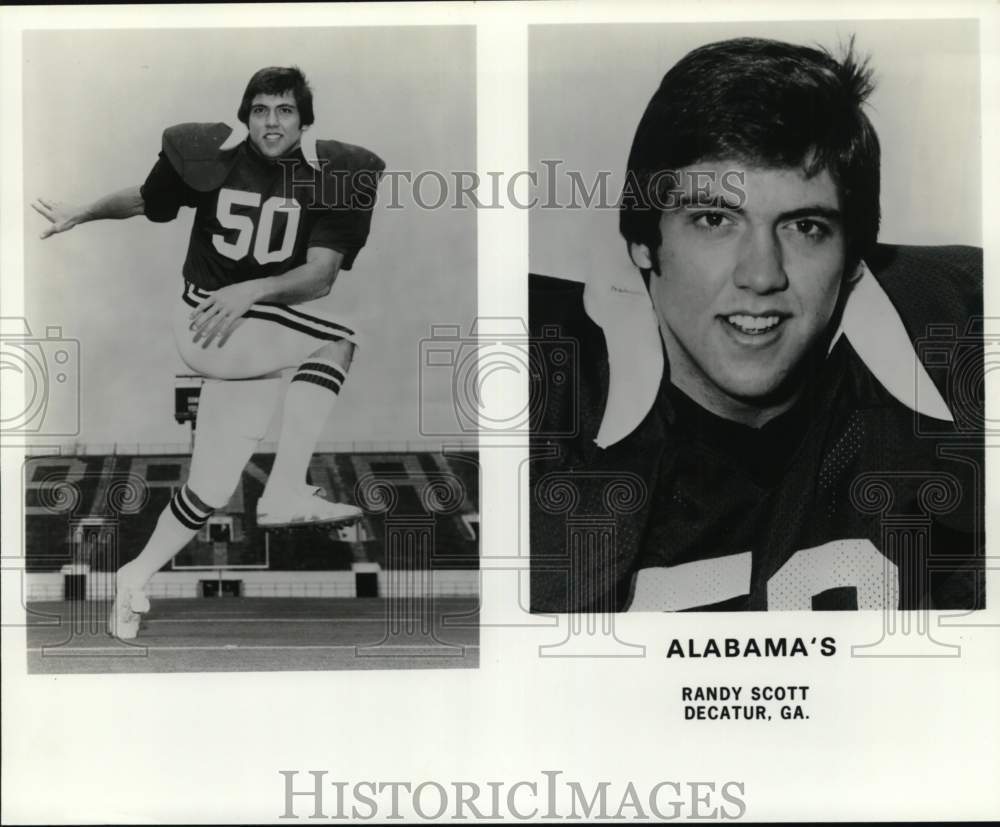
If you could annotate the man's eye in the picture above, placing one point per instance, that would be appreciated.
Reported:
(810, 228)
(711, 220)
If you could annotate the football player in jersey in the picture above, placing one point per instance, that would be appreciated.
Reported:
(277, 215)
(773, 417)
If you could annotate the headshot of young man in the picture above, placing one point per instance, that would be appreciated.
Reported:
(777, 412)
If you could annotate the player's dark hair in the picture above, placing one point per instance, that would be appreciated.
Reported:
(765, 103)
(276, 80)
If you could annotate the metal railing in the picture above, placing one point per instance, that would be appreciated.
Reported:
(181, 448)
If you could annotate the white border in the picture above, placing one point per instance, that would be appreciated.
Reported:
(906, 739)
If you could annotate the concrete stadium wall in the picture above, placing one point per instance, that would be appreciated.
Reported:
(100, 585)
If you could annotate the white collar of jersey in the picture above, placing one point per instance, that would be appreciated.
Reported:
(307, 143)
(238, 133)
(875, 330)
(623, 309)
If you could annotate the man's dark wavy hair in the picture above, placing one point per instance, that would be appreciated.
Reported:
(765, 103)
(276, 80)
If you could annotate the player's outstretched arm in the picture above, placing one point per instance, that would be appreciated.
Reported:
(125, 203)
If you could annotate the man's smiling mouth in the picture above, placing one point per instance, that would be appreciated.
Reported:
(754, 325)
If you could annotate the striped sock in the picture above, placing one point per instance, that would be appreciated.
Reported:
(308, 402)
(321, 372)
(190, 511)
(178, 523)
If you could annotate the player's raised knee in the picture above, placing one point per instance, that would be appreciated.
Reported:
(340, 353)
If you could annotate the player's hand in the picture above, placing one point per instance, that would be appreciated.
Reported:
(61, 217)
(221, 313)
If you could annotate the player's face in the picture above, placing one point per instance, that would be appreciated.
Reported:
(274, 124)
(745, 291)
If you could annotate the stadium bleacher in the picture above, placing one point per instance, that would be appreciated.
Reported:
(421, 513)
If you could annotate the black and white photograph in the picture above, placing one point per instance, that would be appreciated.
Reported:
(766, 266)
(224, 308)
(492, 411)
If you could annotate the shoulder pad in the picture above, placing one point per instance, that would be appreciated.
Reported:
(193, 150)
(938, 294)
(350, 173)
(930, 285)
(340, 156)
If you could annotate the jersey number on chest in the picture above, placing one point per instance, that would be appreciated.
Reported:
(840, 564)
(264, 251)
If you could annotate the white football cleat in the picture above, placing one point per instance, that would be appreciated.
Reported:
(123, 620)
(291, 508)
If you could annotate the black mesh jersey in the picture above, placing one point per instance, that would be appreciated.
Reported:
(263, 218)
(848, 472)
(848, 493)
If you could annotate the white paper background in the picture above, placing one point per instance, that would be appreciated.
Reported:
(901, 738)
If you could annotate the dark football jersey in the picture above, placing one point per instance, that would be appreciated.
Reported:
(263, 218)
(849, 499)
(845, 501)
